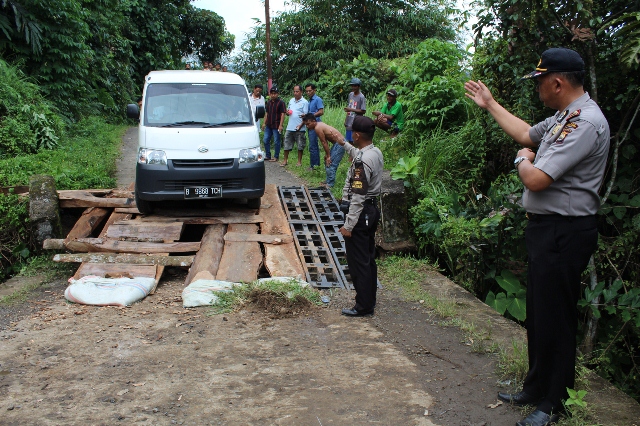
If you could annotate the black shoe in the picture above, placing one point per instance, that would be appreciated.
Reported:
(539, 418)
(519, 399)
(353, 312)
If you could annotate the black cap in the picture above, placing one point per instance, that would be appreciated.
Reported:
(557, 59)
(364, 125)
(392, 92)
(273, 89)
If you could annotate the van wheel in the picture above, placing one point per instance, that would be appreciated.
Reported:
(144, 206)
(253, 203)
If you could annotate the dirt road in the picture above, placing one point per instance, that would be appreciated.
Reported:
(158, 363)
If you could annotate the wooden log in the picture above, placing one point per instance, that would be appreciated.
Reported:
(53, 244)
(212, 212)
(128, 210)
(91, 245)
(200, 220)
(87, 223)
(115, 269)
(18, 190)
(134, 259)
(260, 238)
(280, 260)
(240, 260)
(77, 198)
(164, 231)
(208, 257)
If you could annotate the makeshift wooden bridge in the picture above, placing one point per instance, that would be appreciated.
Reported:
(113, 239)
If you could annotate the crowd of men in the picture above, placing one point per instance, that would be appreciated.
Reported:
(304, 117)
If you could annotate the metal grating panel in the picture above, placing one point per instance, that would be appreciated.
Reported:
(295, 203)
(318, 261)
(335, 242)
(325, 207)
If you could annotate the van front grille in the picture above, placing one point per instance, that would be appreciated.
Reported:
(190, 164)
(179, 185)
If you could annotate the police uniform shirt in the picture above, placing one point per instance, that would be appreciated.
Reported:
(373, 165)
(572, 149)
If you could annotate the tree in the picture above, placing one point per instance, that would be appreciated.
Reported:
(205, 35)
(310, 39)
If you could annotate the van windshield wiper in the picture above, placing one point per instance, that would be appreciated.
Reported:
(228, 123)
(183, 123)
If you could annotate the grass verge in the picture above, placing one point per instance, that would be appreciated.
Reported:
(273, 295)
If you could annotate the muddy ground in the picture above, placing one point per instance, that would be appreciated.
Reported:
(158, 363)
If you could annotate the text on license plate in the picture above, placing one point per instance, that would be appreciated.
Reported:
(203, 192)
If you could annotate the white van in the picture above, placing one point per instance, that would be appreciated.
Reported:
(197, 139)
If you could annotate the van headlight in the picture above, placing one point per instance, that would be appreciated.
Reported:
(152, 156)
(251, 155)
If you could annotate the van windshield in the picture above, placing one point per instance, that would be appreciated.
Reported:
(196, 105)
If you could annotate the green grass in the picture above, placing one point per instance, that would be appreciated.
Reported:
(84, 159)
(290, 289)
(41, 265)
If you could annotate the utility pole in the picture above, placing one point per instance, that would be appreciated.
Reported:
(268, 44)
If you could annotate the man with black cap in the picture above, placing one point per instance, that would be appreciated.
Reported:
(561, 199)
(361, 187)
(390, 118)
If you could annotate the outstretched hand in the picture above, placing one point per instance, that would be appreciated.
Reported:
(478, 93)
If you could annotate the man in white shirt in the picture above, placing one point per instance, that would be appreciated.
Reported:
(295, 134)
(257, 100)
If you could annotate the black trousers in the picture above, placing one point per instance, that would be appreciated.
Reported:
(558, 251)
(361, 252)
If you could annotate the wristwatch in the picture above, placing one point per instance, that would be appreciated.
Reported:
(518, 160)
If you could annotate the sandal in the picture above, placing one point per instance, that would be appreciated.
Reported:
(283, 164)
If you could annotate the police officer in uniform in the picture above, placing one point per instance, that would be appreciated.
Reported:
(561, 198)
(359, 205)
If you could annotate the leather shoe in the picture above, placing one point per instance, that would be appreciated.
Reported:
(520, 399)
(353, 312)
(539, 418)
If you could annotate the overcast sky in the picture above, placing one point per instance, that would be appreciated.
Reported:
(238, 14)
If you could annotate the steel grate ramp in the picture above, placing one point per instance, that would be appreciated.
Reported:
(315, 219)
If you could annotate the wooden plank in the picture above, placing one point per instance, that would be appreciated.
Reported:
(200, 220)
(129, 210)
(280, 260)
(132, 259)
(90, 245)
(260, 238)
(102, 269)
(18, 190)
(70, 199)
(208, 257)
(87, 223)
(163, 231)
(211, 212)
(115, 217)
(240, 260)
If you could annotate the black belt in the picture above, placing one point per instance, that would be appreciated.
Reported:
(371, 201)
(553, 217)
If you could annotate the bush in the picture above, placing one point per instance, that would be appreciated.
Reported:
(83, 159)
(28, 122)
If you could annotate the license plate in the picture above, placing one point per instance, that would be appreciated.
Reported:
(203, 192)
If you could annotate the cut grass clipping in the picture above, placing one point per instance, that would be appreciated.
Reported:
(281, 297)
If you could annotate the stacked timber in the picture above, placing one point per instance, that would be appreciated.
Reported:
(131, 244)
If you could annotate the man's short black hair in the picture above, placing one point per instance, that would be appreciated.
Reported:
(575, 78)
(258, 86)
(313, 86)
(309, 117)
(139, 99)
(297, 85)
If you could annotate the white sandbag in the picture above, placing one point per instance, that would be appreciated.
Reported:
(94, 290)
(201, 292)
(291, 280)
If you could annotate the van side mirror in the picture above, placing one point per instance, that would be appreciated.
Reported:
(133, 111)
(259, 112)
